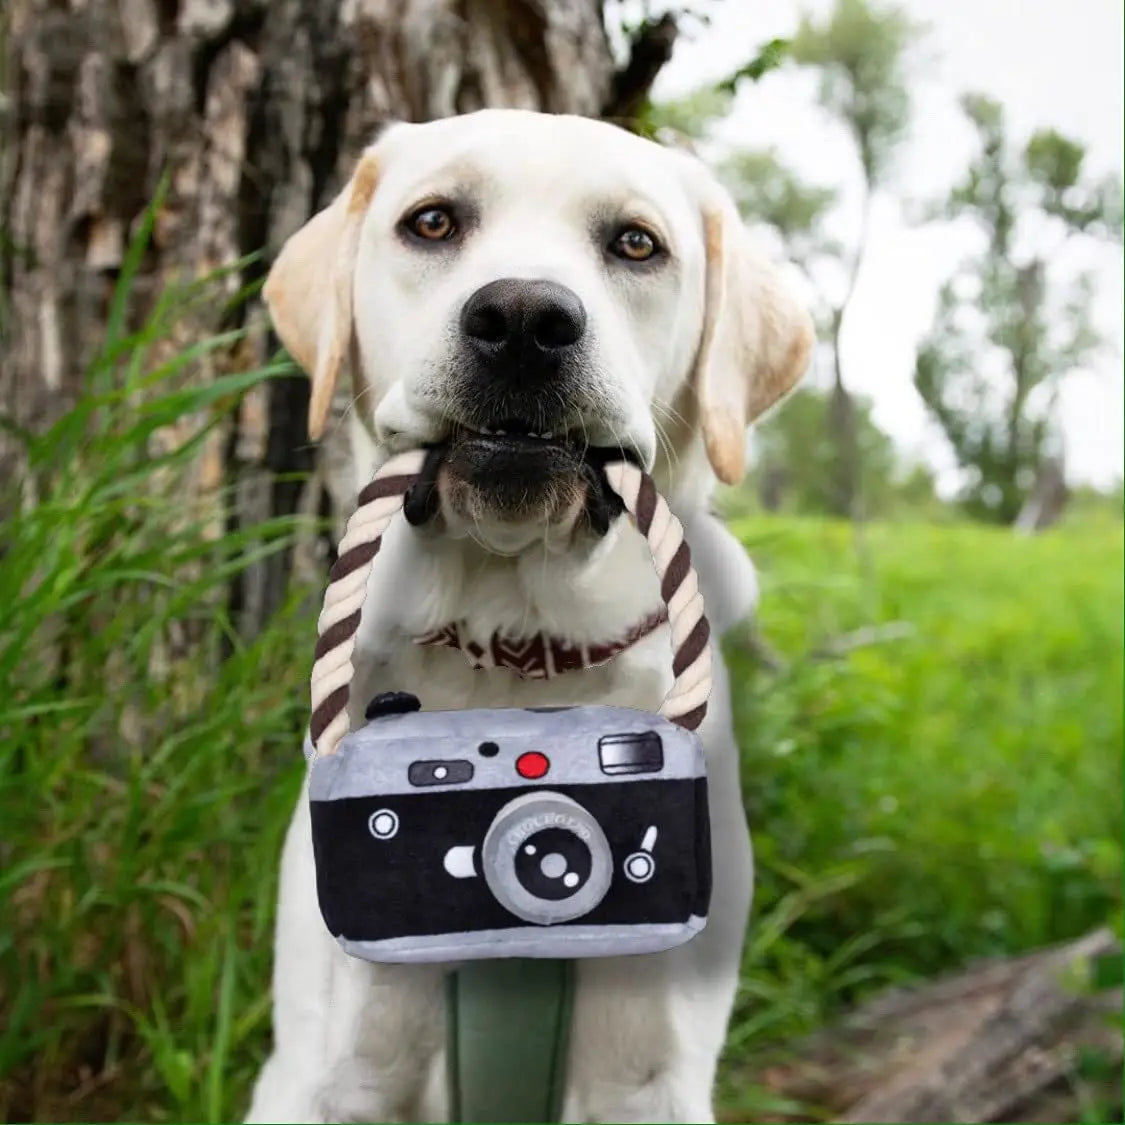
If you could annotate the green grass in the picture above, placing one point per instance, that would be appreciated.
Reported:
(921, 801)
(915, 803)
(147, 754)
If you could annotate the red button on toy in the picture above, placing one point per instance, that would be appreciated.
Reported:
(532, 764)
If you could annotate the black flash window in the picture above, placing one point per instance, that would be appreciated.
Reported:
(631, 753)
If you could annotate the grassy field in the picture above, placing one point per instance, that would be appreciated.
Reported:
(947, 788)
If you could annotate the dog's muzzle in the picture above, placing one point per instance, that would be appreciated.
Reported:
(600, 504)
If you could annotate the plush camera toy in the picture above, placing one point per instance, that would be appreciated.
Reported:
(558, 832)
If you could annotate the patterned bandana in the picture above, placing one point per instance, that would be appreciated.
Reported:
(540, 657)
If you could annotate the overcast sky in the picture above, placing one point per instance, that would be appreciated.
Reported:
(1050, 64)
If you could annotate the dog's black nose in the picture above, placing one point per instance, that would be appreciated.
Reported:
(522, 319)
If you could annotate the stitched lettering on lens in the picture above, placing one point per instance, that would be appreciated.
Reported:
(370, 889)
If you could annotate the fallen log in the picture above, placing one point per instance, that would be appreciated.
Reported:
(1035, 1038)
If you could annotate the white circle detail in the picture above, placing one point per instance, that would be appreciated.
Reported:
(639, 867)
(553, 865)
(529, 850)
(570, 879)
(383, 824)
(440, 772)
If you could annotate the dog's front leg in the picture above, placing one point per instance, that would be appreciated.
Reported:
(353, 1041)
(648, 1030)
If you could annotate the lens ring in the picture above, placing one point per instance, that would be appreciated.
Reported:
(514, 827)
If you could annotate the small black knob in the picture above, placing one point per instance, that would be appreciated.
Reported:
(392, 703)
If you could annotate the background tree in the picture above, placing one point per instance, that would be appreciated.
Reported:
(255, 112)
(795, 459)
(769, 194)
(859, 52)
(1009, 329)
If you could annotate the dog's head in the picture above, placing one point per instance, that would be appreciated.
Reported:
(527, 286)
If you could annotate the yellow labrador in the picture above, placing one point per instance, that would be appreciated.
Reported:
(525, 285)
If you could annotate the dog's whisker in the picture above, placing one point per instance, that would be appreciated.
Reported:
(669, 411)
(665, 443)
(354, 403)
(585, 435)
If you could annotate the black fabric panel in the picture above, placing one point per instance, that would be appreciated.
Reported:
(374, 889)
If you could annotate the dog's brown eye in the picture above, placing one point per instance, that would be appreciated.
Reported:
(433, 223)
(634, 244)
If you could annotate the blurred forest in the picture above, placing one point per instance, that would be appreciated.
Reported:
(929, 703)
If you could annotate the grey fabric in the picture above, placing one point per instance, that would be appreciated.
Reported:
(528, 941)
(377, 758)
(536, 815)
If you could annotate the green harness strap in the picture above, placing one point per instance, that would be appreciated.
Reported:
(507, 1038)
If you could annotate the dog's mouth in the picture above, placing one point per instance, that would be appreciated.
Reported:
(518, 436)
(511, 472)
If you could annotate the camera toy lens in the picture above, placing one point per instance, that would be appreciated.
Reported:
(553, 864)
(546, 859)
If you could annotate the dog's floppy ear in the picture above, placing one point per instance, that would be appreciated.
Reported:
(309, 289)
(757, 337)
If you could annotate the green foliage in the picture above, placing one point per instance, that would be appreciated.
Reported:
(914, 804)
(794, 463)
(767, 191)
(1095, 509)
(146, 752)
(950, 792)
(1006, 312)
(860, 52)
(769, 57)
(692, 115)
(1054, 164)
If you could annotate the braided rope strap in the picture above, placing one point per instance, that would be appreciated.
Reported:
(686, 702)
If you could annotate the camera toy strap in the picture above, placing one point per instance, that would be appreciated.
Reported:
(597, 835)
(382, 499)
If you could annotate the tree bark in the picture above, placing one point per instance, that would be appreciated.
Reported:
(1047, 501)
(256, 111)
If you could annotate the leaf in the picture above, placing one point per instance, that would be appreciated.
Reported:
(220, 1045)
(1107, 971)
(769, 57)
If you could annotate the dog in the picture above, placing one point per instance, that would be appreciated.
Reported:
(522, 287)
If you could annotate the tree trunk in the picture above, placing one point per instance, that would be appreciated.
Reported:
(255, 110)
(772, 479)
(1048, 499)
(844, 496)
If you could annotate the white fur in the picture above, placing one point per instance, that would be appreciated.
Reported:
(356, 1041)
